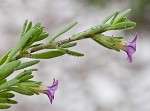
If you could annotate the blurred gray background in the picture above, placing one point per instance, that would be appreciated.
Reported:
(101, 80)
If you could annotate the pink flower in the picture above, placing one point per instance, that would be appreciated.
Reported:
(49, 90)
(128, 47)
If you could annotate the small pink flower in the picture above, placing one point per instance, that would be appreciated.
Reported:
(49, 90)
(128, 47)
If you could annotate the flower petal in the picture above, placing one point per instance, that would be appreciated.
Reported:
(51, 90)
(131, 48)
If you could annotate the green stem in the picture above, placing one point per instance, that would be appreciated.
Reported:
(89, 33)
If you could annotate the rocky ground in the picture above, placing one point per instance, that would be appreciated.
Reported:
(101, 80)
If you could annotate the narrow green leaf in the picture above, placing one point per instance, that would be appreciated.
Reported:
(3, 58)
(9, 83)
(8, 68)
(34, 91)
(37, 32)
(21, 90)
(66, 51)
(25, 78)
(102, 41)
(68, 45)
(121, 16)
(63, 31)
(24, 28)
(20, 43)
(41, 37)
(36, 82)
(117, 37)
(123, 25)
(105, 41)
(114, 17)
(26, 72)
(27, 64)
(2, 81)
(109, 17)
(35, 45)
(46, 55)
(9, 101)
(4, 106)
(6, 95)
(29, 26)
(33, 69)
(28, 84)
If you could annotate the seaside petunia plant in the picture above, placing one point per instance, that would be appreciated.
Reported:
(30, 45)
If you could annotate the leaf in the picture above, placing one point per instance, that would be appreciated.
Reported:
(46, 55)
(26, 72)
(25, 78)
(102, 41)
(66, 51)
(20, 43)
(9, 101)
(117, 37)
(35, 45)
(68, 45)
(123, 25)
(21, 90)
(24, 28)
(121, 16)
(29, 26)
(2, 81)
(4, 106)
(9, 83)
(114, 17)
(109, 17)
(105, 41)
(33, 69)
(41, 37)
(6, 95)
(27, 64)
(8, 68)
(37, 32)
(34, 91)
(36, 82)
(63, 31)
(3, 58)
(29, 84)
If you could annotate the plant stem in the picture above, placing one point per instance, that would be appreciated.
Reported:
(89, 33)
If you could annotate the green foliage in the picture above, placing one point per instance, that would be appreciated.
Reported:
(46, 55)
(3, 59)
(27, 47)
(8, 68)
(23, 40)
(7, 84)
(21, 90)
(62, 31)
(6, 95)
(27, 64)
(4, 106)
